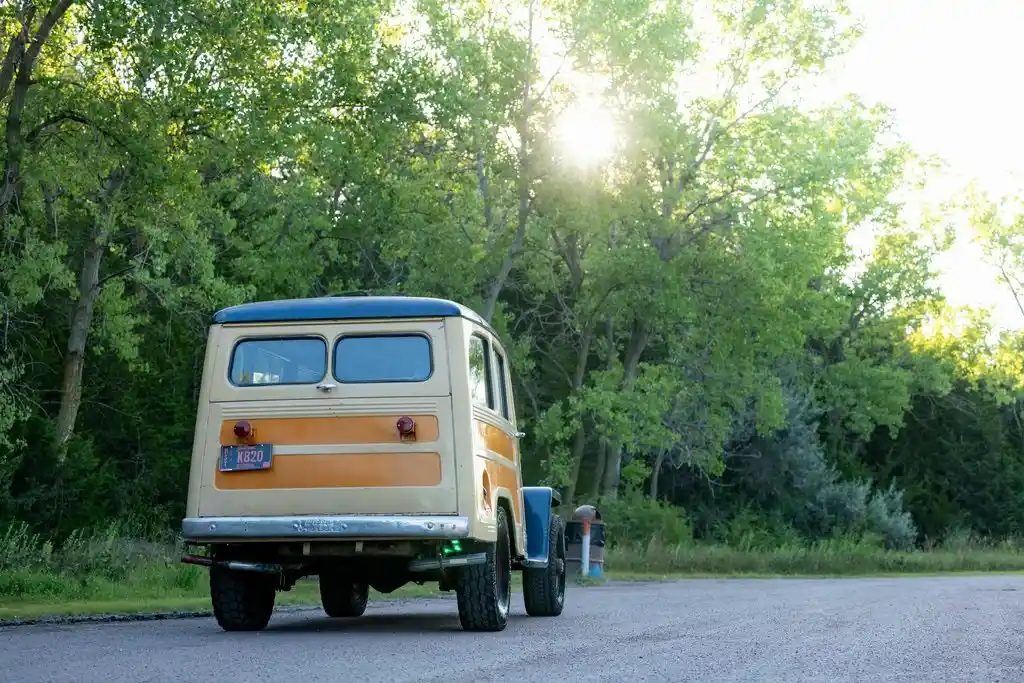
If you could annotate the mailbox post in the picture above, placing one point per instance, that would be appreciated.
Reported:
(585, 541)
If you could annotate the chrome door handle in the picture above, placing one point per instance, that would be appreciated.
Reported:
(326, 386)
(519, 435)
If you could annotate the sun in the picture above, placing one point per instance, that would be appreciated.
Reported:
(586, 133)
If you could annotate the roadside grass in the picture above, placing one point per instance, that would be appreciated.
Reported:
(831, 558)
(113, 572)
(157, 595)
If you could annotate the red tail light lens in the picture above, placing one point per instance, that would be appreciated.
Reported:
(406, 426)
(243, 430)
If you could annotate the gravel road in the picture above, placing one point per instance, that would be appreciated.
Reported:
(902, 629)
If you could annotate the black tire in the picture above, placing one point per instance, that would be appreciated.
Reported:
(544, 587)
(485, 590)
(242, 601)
(341, 597)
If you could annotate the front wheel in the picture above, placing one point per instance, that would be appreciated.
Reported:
(484, 590)
(544, 587)
(242, 601)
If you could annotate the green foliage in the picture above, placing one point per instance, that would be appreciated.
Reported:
(635, 516)
(688, 322)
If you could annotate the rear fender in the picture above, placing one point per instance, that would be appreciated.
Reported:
(538, 503)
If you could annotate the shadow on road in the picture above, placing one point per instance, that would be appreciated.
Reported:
(414, 623)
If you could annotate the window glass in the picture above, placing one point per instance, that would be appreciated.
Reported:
(480, 372)
(499, 361)
(383, 358)
(298, 360)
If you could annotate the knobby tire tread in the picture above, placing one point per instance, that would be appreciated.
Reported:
(241, 601)
(477, 587)
(540, 584)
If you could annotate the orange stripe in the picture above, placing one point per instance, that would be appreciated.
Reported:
(338, 470)
(300, 431)
(496, 440)
(504, 477)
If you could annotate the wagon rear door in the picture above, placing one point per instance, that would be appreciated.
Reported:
(304, 420)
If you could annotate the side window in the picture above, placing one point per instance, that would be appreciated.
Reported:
(296, 360)
(502, 383)
(480, 382)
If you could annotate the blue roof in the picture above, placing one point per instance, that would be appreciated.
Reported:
(344, 308)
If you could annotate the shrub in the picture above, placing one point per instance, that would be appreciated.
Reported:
(885, 514)
(749, 530)
(635, 518)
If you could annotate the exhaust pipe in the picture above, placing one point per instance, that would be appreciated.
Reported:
(237, 565)
(432, 564)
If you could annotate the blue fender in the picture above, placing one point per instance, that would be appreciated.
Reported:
(538, 504)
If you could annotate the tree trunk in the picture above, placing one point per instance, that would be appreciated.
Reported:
(579, 444)
(656, 472)
(15, 51)
(579, 440)
(74, 359)
(19, 62)
(602, 459)
(494, 291)
(89, 286)
(638, 340)
(602, 451)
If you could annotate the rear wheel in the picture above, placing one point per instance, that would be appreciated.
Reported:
(242, 601)
(342, 597)
(485, 590)
(544, 587)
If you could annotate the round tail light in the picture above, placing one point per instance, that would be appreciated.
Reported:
(406, 426)
(243, 430)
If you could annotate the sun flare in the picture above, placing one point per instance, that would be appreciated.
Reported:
(586, 133)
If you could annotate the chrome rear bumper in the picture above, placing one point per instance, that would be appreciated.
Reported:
(324, 527)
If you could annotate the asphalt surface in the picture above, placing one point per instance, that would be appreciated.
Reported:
(901, 629)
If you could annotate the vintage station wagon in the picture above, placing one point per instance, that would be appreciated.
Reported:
(371, 442)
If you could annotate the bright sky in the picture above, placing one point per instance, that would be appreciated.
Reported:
(948, 68)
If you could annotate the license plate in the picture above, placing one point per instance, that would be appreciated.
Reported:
(244, 458)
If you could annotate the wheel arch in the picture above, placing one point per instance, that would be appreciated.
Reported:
(504, 501)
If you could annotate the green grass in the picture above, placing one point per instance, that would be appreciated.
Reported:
(835, 558)
(141, 598)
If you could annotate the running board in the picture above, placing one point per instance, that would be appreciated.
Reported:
(533, 564)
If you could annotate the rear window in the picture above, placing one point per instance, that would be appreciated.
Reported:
(294, 360)
(360, 359)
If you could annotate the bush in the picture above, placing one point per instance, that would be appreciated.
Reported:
(885, 515)
(749, 530)
(635, 517)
